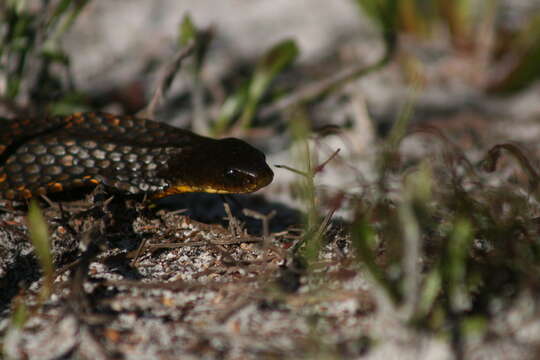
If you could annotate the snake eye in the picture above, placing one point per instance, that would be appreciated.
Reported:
(231, 173)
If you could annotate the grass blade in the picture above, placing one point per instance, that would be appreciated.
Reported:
(39, 236)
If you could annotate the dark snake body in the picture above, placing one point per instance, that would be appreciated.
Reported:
(128, 154)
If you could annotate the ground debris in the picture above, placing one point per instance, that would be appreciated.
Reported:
(133, 283)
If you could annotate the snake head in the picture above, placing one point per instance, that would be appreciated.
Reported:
(226, 166)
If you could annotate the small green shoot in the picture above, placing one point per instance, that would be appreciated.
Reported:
(458, 16)
(416, 17)
(409, 224)
(306, 187)
(230, 109)
(384, 13)
(454, 265)
(20, 313)
(188, 31)
(364, 241)
(268, 67)
(202, 39)
(40, 240)
(525, 52)
(314, 225)
(30, 48)
(63, 18)
(429, 292)
(388, 158)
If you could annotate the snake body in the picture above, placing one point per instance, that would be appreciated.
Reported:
(128, 154)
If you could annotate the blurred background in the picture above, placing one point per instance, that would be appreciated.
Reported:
(345, 70)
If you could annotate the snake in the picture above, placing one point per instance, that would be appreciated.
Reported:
(125, 153)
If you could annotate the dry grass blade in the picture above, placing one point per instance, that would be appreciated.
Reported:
(320, 167)
(165, 80)
(489, 164)
(264, 218)
(453, 153)
(232, 241)
(316, 169)
(138, 252)
(235, 228)
(299, 172)
(322, 87)
(313, 236)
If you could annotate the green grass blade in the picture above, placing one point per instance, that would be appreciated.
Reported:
(455, 264)
(363, 238)
(268, 67)
(39, 237)
(525, 69)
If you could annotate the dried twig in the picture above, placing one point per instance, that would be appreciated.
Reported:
(299, 172)
(165, 80)
(265, 218)
(235, 228)
(231, 241)
(316, 170)
(138, 252)
(316, 233)
(324, 86)
(320, 167)
(240, 303)
(489, 164)
(90, 244)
